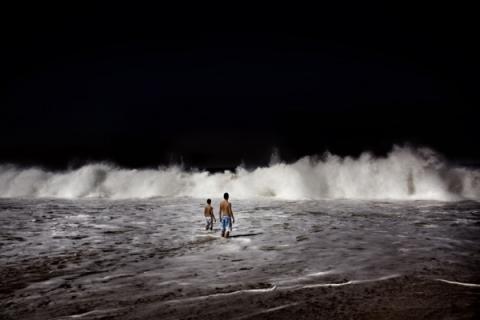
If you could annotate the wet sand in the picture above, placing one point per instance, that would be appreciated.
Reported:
(302, 260)
(400, 298)
(394, 297)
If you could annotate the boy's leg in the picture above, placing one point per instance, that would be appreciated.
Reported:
(222, 222)
(228, 227)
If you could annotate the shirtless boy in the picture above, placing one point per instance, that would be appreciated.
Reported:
(209, 217)
(226, 217)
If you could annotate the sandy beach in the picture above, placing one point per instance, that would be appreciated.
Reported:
(145, 259)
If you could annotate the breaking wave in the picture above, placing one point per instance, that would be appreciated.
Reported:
(404, 174)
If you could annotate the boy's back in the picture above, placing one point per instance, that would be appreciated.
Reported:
(208, 211)
(225, 208)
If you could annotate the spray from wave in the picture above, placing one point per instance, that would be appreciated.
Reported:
(404, 174)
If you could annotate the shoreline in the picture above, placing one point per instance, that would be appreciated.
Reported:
(393, 297)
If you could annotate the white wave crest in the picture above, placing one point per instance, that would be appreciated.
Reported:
(404, 174)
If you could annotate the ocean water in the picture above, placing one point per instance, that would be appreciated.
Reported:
(101, 258)
(101, 241)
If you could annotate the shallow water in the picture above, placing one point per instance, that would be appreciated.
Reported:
(94, 258)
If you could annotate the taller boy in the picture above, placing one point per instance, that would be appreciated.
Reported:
(226, 217)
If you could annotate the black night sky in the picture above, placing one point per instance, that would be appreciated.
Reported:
(79, 88)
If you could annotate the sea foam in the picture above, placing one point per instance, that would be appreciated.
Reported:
(404, 174)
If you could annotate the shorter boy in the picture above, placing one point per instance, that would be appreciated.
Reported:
(209, 217)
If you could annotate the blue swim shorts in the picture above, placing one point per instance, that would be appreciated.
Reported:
(226, 223)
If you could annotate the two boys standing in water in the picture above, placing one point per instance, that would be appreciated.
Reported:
(225, 216)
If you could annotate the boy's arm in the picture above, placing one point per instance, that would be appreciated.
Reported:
(212, 214)
(220, 213)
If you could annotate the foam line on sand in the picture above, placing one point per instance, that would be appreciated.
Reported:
(222, 294)
(465, 284)
(319, 285)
